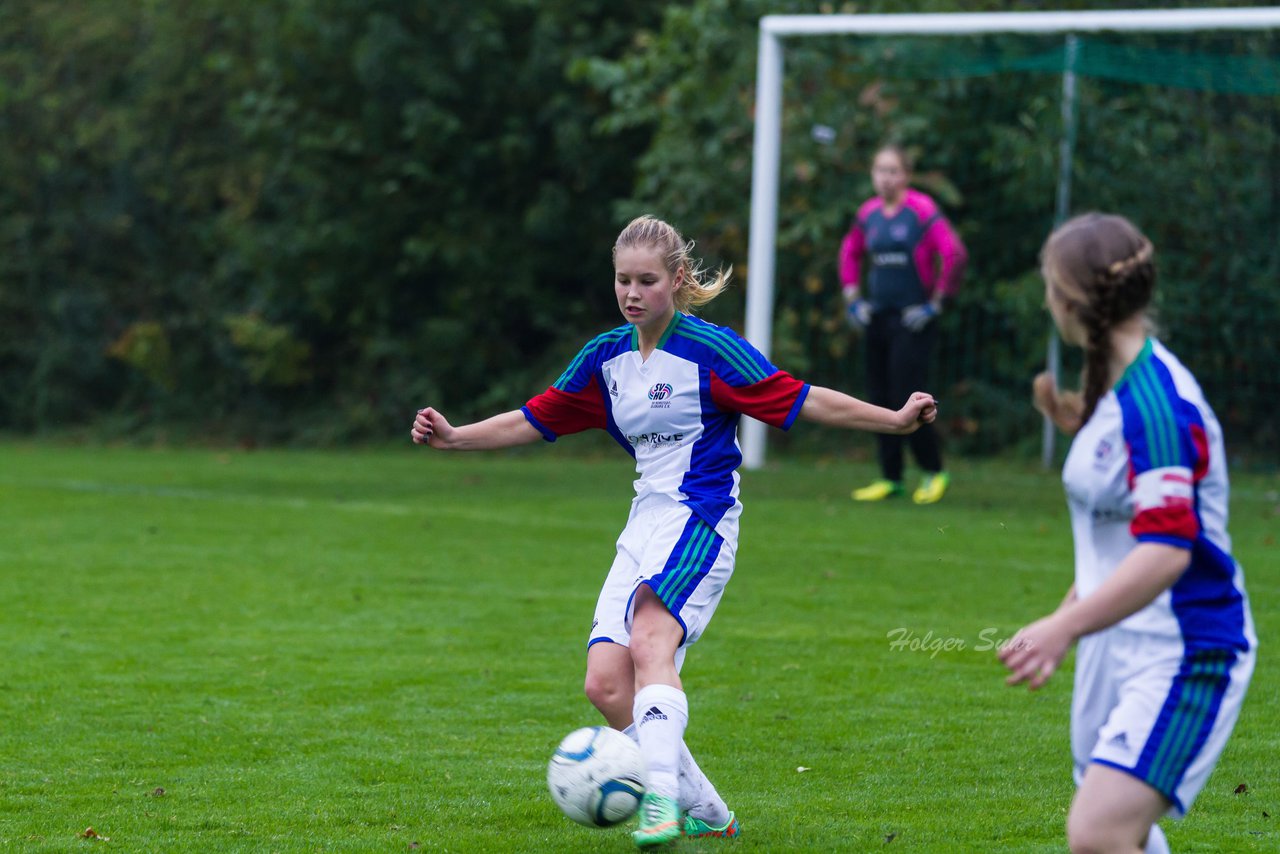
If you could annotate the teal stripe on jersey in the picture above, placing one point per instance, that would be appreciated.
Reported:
(594, 344)
(1157, 418)
(1195, 712)
(1143, 407)
(728, 348)
(1162, 412)
(695, 551)
(671, 328)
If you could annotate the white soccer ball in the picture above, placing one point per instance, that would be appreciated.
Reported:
(596, 776)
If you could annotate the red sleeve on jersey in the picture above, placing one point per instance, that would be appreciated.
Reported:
(1164, 496)
(1200, 441)
(1164, 506)
(1165, 523)
(564, 412)
(775, 400)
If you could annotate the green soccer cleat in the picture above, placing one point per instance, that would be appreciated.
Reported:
(878, 490)
(696, 827)
(931, 488)
(659, 821)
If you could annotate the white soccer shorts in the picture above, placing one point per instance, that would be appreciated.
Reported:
(675, 552)
(1146, 706)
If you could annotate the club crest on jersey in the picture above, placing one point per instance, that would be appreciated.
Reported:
(1102, 454)
(660, 396)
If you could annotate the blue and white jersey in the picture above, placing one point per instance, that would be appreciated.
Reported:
(1149, 466)
(676, 412)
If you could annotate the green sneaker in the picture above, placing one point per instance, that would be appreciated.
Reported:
(878, 490)
(659, 821)
(696, 827)
(931, 488)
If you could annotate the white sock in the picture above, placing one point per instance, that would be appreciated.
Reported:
(661, 714)
(1156, 843)
(697, 796)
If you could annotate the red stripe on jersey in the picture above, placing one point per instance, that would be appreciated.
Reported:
(1176, 519)
(770, 400)
(564, 412)
(1164, 504)
(1201, 442)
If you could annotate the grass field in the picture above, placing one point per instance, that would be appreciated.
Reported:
(378, 651)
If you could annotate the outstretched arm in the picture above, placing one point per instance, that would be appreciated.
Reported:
(1063, 408)
(837, 409)
(500, 431)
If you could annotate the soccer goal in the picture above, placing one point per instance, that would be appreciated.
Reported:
(1235, 162)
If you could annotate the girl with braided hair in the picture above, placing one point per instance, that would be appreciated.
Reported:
(1166, 643)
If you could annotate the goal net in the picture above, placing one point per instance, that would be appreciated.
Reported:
(1176, 127)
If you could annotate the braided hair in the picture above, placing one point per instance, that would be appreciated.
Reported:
(652, 233)
(1101, 266)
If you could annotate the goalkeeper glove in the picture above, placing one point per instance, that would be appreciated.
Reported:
(917, 317)
(858, 314)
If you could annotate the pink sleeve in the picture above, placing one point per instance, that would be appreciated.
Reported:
(851, 250)
(854, 245)
(953, 254)
(940, 255)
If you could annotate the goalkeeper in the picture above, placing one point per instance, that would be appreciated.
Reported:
(899, 261)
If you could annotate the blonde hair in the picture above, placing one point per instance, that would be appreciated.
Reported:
(649, 232)
(1102, 266)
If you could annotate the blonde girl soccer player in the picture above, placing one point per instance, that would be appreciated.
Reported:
(670, 388)
(1166, 639)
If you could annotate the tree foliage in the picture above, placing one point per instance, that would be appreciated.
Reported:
(284, 220)
(272, 217)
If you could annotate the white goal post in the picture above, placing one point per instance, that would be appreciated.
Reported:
(766, 158)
